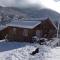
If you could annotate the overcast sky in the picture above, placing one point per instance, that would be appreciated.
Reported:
(51, 4)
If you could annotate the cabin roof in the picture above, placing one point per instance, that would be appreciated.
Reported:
(24, 24)
(27, 23)
(3, 27)
(42, 19)
(35, 19)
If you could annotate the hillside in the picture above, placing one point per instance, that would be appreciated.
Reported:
(30, 12)
(10, 11)
(36, 13)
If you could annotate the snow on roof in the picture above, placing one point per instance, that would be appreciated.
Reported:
(2, 27)
(24, 24)
(27, 22)
(42, 19)
(35, 19)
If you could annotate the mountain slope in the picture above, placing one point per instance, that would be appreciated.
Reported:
(31, 12)
(10, 11)
(36, 13)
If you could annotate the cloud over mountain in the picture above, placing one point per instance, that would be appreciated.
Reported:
(19, 3)
(50, 4)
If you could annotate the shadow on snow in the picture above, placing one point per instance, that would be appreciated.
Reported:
(6, 46)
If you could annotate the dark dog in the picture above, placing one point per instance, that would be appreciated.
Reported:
(34, 52)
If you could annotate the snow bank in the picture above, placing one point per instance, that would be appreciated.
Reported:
(24, 49)
(16, 51)
(2, 40)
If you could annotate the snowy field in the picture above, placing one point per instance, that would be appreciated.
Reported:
(21, 51)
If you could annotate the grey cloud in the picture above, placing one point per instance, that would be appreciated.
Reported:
(6, 3)
(19, 3)
(57, 0)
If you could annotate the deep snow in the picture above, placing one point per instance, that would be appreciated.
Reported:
(21, 51)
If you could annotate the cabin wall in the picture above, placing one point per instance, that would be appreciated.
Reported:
(17, 35)
(3, 33)
(48, 29)
(14, 34)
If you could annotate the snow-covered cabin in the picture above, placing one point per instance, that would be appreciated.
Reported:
(24, 30)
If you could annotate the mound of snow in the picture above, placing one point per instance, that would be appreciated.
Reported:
(21, 51)
(15, 50)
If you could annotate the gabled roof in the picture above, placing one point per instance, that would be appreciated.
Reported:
(2, 27)
(24, 24)
(27, 23)
(42, 19)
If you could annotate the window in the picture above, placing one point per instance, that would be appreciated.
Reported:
(38, 33)
(25, 32)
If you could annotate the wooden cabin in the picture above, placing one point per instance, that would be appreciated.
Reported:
(25, 30)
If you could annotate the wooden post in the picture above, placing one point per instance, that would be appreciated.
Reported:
(58, 31)
(6, 37)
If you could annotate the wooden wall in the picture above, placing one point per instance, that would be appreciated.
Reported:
(18, 34)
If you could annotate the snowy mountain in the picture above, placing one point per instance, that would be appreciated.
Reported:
(30, 12)
(10, 11)
(36, 13)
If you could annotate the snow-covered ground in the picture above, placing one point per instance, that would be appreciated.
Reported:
(21, 51)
